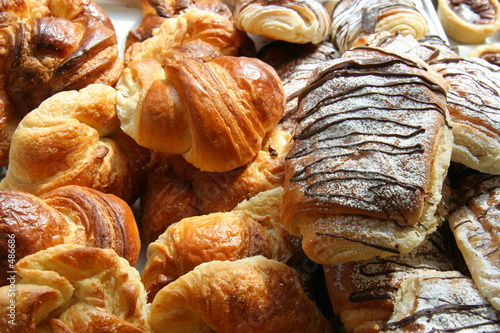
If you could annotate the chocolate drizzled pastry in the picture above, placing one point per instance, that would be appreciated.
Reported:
(365, 170)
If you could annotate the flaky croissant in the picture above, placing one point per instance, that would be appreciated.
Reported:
(74, 137)
(214, 111)
(69, 215)
(71, 288)
(247, 295)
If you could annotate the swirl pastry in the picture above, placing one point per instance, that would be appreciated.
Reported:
(441, 302)
(183, 190)
(69, 215)
(71, 288)
(300, 22)
(352, 19)
(473, 103)
(476, 227)
(215, 111)
(469, 21)
(74, 138)
(247, 295)
(370, 153)
(251, 228)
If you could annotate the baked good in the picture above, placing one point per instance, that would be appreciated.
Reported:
(488, 52)
(70, 215)
(183, 190)
(73, 139)
(300, 22)
(193, 23)
(294, 64)
(251, 228)
(473, 100)
(441, 301)
(475, 224)
(251, 294)
(469, 21)
(71, 288)
(352, 19)
(369, 156)
(215, 111)
(363, 292)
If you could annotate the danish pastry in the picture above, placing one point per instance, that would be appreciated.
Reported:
(368, 160)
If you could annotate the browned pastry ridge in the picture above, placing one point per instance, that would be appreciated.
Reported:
(369, 156)
(74, 138)
(214, 110)
(66, 215)
(72, 288)
(48, 47)
(247, 295)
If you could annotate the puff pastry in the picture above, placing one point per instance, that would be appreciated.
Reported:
(370, 153)
(305, 21)
(352, 19)
(251, 294)
(473, 103)
(71, 288)
(73, 139)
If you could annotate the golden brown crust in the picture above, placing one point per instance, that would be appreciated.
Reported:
(252, 294)
(488, 52)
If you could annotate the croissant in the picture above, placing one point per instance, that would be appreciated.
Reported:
(70, 215)
(215, 112)
(73, 138)
(247, 295)
(72, 288)
(300, 22)
(473, 103)
(353, 19)
(369, 157)
(183, 190)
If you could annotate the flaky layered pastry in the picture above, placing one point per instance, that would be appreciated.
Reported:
(473, 102)
(183, 190)
(441, 302)
(247, 295)
(251, 228)
(300, 22)
(66, 215)
(469, 21)
(215, 110)
(74, 138)
(352, 19)
(476, 226)
(369, 157)
(71, 288)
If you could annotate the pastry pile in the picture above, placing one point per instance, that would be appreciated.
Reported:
(344, 176)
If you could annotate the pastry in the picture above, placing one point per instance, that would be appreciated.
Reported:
(247, 295)
(475, 224)
(473, 100)
(183, 190)
(69, 215)
(73, 139)
(214, 111)
(251, 228)
(367, 163)
(469, 21)
(441, 302)
(71, 288)
(488, 52)
(305, 21)
(352, 19)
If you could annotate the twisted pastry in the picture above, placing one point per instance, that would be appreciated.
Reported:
(66, 215)
(214, 111)
(352, 19)
(366, 167)
(300, 22)
(252, 294)
(73, 138)
(72, 288)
